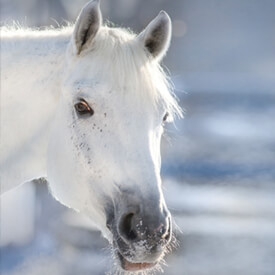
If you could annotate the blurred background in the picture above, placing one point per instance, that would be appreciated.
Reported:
(218, 162)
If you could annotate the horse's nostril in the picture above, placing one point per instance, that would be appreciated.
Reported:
(127, 228)
(133, 228)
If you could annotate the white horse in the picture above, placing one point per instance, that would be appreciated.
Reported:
(85, 107)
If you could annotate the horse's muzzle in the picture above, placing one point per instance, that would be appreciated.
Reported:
(140, 238)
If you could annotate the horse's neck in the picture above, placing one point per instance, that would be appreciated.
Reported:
(31, 69)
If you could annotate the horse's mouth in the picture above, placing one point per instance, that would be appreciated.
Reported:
(130, 266)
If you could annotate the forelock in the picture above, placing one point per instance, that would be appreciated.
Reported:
(133, 69)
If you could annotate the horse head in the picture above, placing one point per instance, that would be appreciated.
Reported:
(104, 153)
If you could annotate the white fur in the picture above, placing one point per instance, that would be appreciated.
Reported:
(121, 146)
(88, 160)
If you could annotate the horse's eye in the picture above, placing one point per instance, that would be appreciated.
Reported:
(83, 108)
(165, 117)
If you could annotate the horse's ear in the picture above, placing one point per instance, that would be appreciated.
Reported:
(87, 25)
(157, 35)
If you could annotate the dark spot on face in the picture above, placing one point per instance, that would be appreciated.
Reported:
(105, 114)
(100, 130)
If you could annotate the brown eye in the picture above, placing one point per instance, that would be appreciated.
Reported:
(165, 117)
(83, 108)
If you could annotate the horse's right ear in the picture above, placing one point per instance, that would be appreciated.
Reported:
(87, 26)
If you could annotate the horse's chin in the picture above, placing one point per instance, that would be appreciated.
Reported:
(133, 266)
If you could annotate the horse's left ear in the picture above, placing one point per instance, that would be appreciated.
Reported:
(157, 35)
(87, 25)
